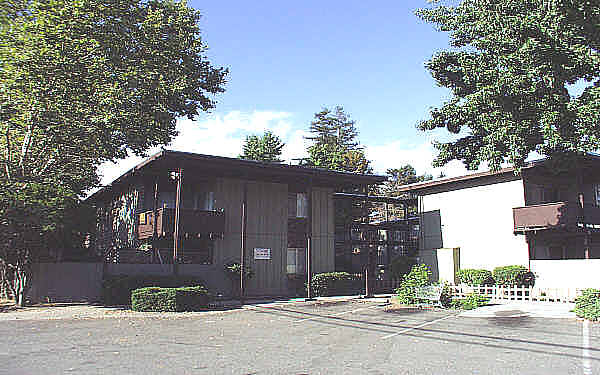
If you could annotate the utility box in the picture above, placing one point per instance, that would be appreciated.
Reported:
(448, 260)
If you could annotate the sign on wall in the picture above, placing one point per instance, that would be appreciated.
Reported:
(262, 253)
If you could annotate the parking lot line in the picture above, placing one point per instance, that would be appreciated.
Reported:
(334, 315)
(417, 327)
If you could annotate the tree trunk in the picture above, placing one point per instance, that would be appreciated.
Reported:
(22, 283)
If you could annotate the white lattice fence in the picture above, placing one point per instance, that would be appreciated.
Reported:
(499, 293)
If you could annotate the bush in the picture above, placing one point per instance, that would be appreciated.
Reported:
(513, 275)
(335, 284)
(116, 290)
(587, 305)
(446, 296)
(418, 276)
(475, 277)
(169, 299)
(470, 302)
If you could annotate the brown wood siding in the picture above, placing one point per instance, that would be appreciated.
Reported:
(267, 228)
(323, 253)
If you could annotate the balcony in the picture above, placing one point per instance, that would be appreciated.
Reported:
(194, 222)
(558, 215)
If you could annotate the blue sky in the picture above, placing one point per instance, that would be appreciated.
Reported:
(289, 59)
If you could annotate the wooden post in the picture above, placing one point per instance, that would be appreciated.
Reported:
(243, 241)
(368, 268)
(586, 239)
(309, 296)
(154, 221)
(176, 242)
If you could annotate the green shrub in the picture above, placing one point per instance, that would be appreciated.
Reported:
(587, 305)
(116, 290)
(513, 275)
(169, 299)
(470, 302)
(475, 277)
(335, 284)
(418, 276)
(400, 266)
(446, 296)
(232, 270)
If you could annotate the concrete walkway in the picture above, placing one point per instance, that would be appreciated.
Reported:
(524, 309)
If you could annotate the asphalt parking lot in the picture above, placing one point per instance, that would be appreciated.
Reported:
(351, 337)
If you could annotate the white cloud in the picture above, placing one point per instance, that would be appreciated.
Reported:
(224, 135)
(397, 153)
(221, 135)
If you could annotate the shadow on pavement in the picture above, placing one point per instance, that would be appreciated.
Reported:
(428, 334)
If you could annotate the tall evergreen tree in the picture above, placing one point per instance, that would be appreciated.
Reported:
(398, 177)
(267, 147)
(334, 143)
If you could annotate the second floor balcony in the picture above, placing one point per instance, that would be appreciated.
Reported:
(557, 215)
(193, 222)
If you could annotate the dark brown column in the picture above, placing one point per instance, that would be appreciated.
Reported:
(243, 240)
(586, 238)
(155, 221)
(369, 268)
(176, 242)
(309, 242)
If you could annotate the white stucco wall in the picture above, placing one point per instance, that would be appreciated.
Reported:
(479, 221)
(567, 273)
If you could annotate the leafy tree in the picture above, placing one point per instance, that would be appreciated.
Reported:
(334, 145)
(510, 71)
(398, 177)
(83, 82)
(267, 147)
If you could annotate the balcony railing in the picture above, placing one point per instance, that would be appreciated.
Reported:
(562, 215)
(195, 222)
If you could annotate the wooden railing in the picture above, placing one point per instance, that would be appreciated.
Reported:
(554, 215)
(192, 222)
(500, 293)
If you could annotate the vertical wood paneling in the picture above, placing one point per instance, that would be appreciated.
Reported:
(323, 230)
(267, 228)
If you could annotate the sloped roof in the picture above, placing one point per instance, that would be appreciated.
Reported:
(220, 166)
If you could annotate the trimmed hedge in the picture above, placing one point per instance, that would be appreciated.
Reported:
(475, 277)
(470, 302)
(587, 305)
(116, 290)
(335, 284)
(513, 275)
(169, 299)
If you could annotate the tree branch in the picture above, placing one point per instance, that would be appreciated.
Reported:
(8, 154)
(25, 147)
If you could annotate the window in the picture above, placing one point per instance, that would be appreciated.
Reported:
(301, 205)
(297, 205)
(205, 200)
(597, 191)
(296, 260)
(166, 199)
(549, 195)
